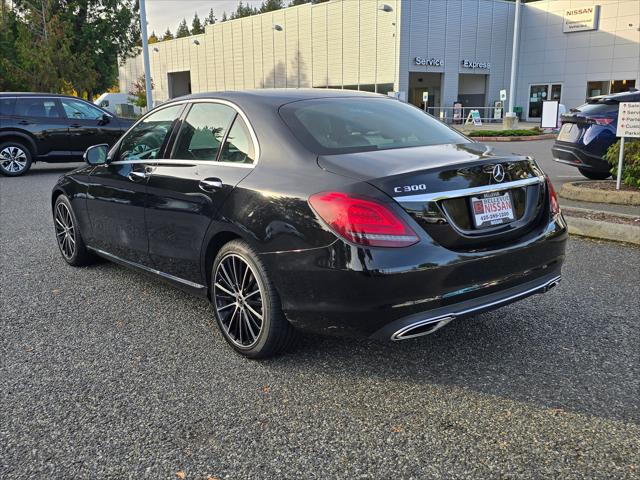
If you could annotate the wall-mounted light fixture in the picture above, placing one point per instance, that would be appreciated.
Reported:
(385, 8)
(277, 27)
(196, 42)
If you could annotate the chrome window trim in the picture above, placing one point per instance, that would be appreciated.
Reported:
(466, 192)
(182, 162)
(239, 111)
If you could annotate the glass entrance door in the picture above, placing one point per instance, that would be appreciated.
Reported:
(538, 93)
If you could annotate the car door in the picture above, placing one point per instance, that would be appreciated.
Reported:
(43, 120)
(213, 151)
(88, 125)
(117, 192)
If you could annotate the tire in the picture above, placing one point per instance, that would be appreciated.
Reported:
(255, 327)
(15, 159)
(593, 175)
(68, 236)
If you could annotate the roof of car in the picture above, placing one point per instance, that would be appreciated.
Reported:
(630, 96)
(35, 94)
(279, 96)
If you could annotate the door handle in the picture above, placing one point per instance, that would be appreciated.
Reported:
(75, 125)
(210, 184)
(24, 122)
(137, 176)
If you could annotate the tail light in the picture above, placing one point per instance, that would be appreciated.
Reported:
(365, 222)
(603, 121)
(554, 206)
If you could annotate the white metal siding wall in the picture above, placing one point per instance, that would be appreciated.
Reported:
(454, 30)
(547, 55)
(341, 42)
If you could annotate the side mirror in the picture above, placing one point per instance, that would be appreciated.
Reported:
(105, 119)
(97, 154)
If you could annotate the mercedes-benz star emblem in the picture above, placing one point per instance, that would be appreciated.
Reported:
(498, 173)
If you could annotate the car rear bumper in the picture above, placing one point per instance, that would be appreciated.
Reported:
(572, 155)
(352, 291)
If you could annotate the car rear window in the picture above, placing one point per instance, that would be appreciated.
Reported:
(344, 125)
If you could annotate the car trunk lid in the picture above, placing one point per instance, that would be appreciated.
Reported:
(452, 191)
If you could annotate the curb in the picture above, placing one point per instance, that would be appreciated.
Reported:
(546, 136)
(614, 232)
(573, 191)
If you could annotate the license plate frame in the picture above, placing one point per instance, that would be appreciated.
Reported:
(492, 209)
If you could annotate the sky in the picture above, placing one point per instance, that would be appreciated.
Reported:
(169, 13)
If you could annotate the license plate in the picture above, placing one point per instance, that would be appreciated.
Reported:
(492, 209)
(565, 132)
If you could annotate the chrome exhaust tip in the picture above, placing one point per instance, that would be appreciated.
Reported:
(421, 328)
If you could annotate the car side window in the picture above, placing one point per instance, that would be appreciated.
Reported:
(145, 140)
(238, 148)
(36, 107)
(78, 110)
(202, 131)
(6, 106)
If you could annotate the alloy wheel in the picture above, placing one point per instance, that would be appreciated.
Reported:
(13, 159)
(65, 231)
(238, 300)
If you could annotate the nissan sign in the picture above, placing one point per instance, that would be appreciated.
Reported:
(581, 19)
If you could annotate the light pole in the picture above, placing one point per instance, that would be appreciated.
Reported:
(145, 54)
(510, 116)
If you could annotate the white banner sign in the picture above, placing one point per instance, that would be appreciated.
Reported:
(580, 19)
(628, 120)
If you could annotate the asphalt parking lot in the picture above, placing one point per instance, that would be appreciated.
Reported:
(108, 373)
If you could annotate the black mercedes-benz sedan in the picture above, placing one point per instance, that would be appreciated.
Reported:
(328, 211)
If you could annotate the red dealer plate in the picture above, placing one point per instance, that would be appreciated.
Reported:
(492, 209)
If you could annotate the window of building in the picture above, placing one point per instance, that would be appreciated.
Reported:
(618, 86)
(202, 131)
(606, 87)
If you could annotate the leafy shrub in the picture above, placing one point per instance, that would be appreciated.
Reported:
(631, 163)
(505, 133)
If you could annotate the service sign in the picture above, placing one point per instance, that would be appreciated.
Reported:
(628, 120)
(579, 19)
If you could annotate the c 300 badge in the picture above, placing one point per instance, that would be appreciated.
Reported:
(410, 188)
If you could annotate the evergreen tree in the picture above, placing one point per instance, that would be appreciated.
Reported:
(243, 10)
(196, 25)
(271, 5)
(167, 35)
(211, 18)
(224, 17)
(183, 29)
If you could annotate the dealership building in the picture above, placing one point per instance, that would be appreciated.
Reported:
(454, 50)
